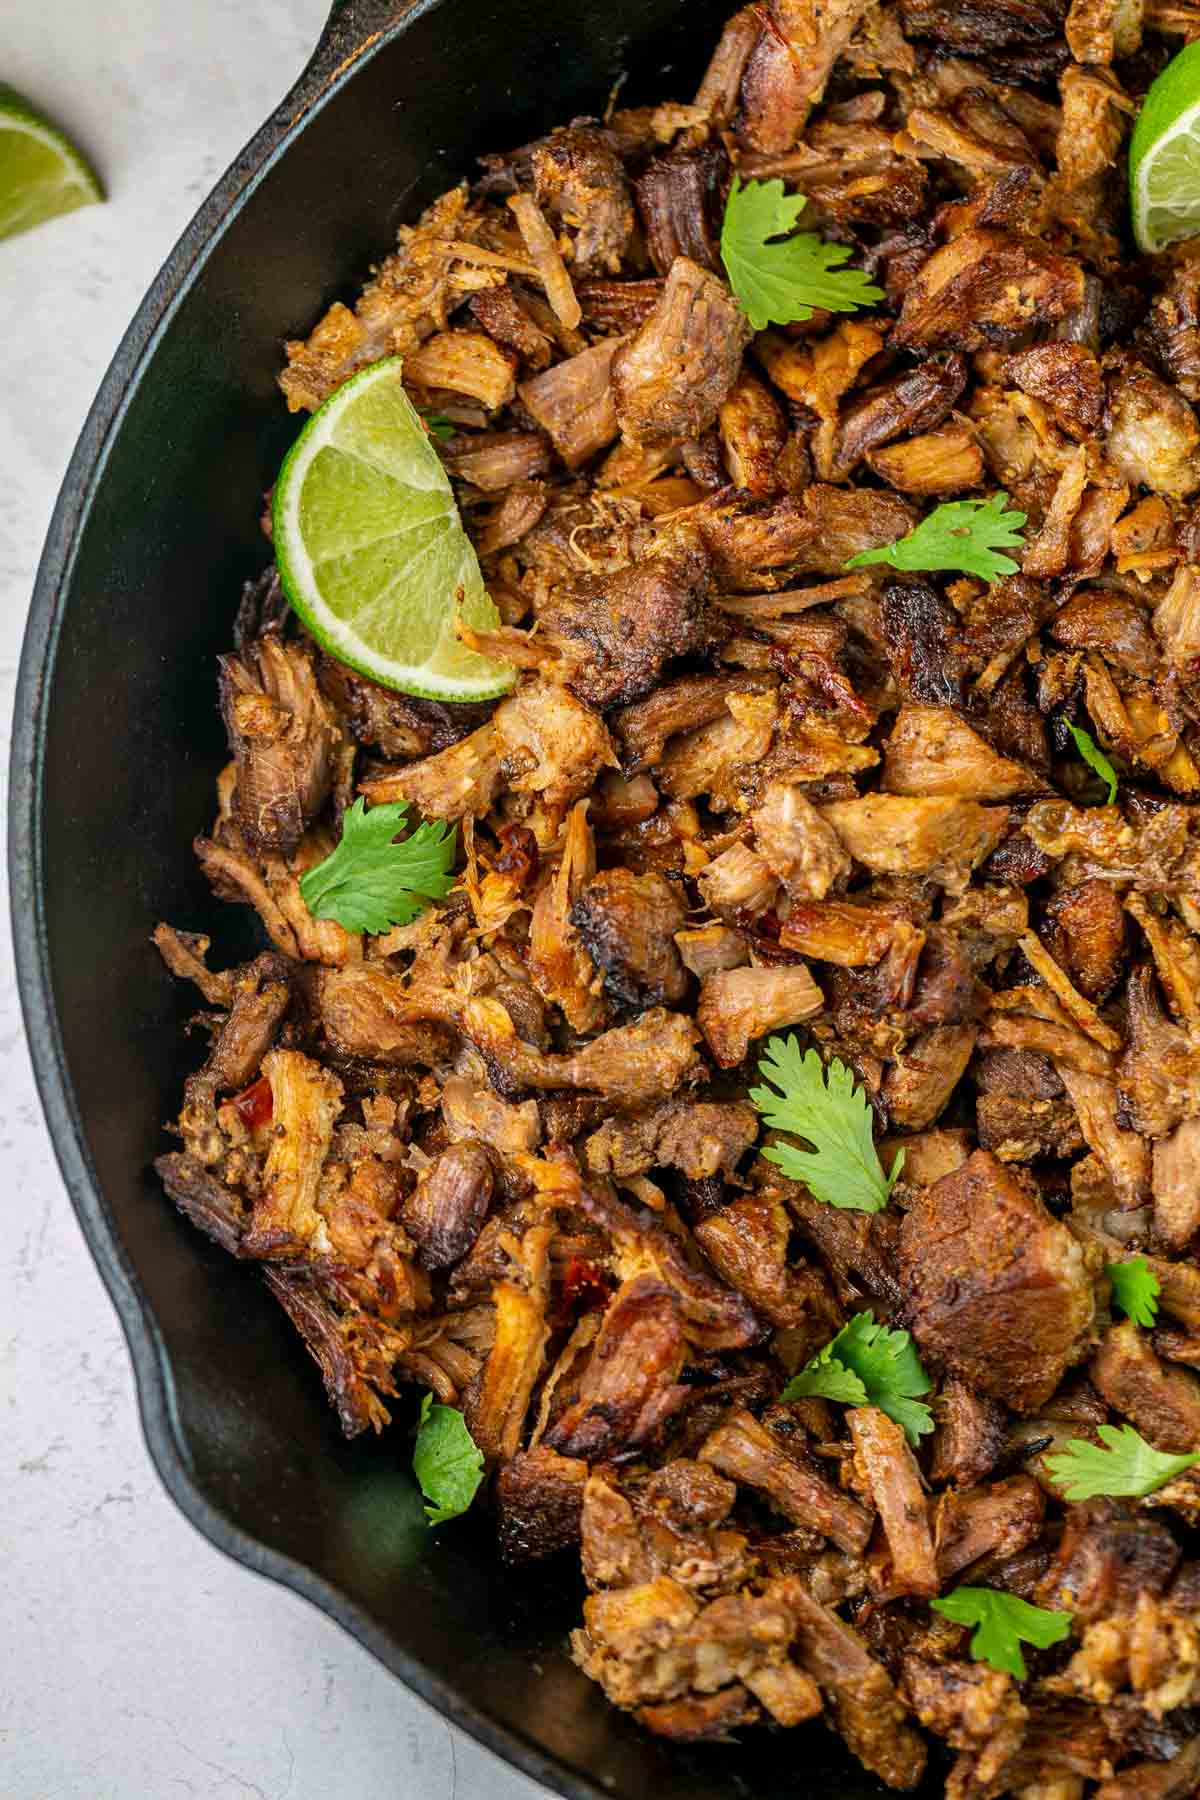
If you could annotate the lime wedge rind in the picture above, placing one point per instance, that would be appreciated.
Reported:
(370, 549)
(42, 173)
(1164, 157)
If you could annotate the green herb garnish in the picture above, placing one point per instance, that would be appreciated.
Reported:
(1135, 1289)
(964, 535)
(371, 882)
(1002, 1624)
(868, 1365)
(824, 1107)
(447, 1461)
(1095, 758)
(1127, 1468)
(780, 278)
(438, 425)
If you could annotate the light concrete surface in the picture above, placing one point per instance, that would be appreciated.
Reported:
(136, 1663)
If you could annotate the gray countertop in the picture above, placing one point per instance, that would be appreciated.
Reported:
(139, 1663)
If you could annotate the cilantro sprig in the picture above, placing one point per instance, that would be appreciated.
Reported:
(1125, 1468)
(371, 882)
(1095, 758)
(438, 425)
(446, 1461)
(823, 1107)
(1003, 1622)
(1135, 1289)
(964, 535)
(777, 277)
(868, 1365)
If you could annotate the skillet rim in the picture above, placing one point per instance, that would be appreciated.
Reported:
(356, 31)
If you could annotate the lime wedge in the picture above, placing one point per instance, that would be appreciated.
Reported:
(1164, 156)
(42, 174)
(371, 550)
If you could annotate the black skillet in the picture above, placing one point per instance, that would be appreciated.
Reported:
(115, 748)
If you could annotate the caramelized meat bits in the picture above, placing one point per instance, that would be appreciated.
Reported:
(744, 788)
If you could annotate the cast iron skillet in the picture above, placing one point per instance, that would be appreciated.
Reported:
(115, 748)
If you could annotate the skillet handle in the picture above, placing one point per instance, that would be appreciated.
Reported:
(351, 28)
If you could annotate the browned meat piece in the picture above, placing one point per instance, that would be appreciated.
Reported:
(1159, 1069)
(747, 1244)
(305, 1102)
(549, 743)
(705, 949)
(843, 932)
(747, 1453)
(184, 953)
(672, 1524)
(1098, 30)
(1175, 1184)
(858, 1249)
(1153, 436)
(998, 1291)
(1087, 933)
(984, 24)
(969, 1436)
(753, 433)
(1177, 618)
(865, 1705)
(499, 311)
(629, 624)
(994, 1522)
(678, 197)
(445, 1212)
(578, 180)
(282, 735)
(539, 1503)
(738, 1005)
(475, 1112)
(355, 1354)
(630, 1385)
(216, 1210)
(983, 289)
(261, 996)
(922, 638)
(457, 781)
(1066, 378)
(463, 362)
(669, 380)
(816, 533)
(1174, 1780)
(789, 66)
(894, 1481)
(698, 1717)
(627, 924)
(701, 1139)
(938, 462)
(1163, 1403)
(1105, 1560)
(677, 706)
(933, 751)
(919, 1083)
(395, 724)
(940, 837)
(1021, 1109)
(496, 1402)
(915, 400)
(1175, 323)
(363, 1015)
(655, 1643)
(573, 403)
(497, 460)
(976, 1710)
(407, 298)
(798, 846)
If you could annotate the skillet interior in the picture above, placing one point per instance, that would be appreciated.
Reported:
(117, 742)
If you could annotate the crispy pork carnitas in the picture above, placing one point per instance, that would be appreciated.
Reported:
(909, 1453)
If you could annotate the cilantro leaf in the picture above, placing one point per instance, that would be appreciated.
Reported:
(868, 1365)
(782, 281)
(966, 535)
(1135, 1289)
(371, 882)
(824, 1107)
(447, 1461)
(1095, 758)
(1126, 1468)
(1002, 1624)
(438, 426)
